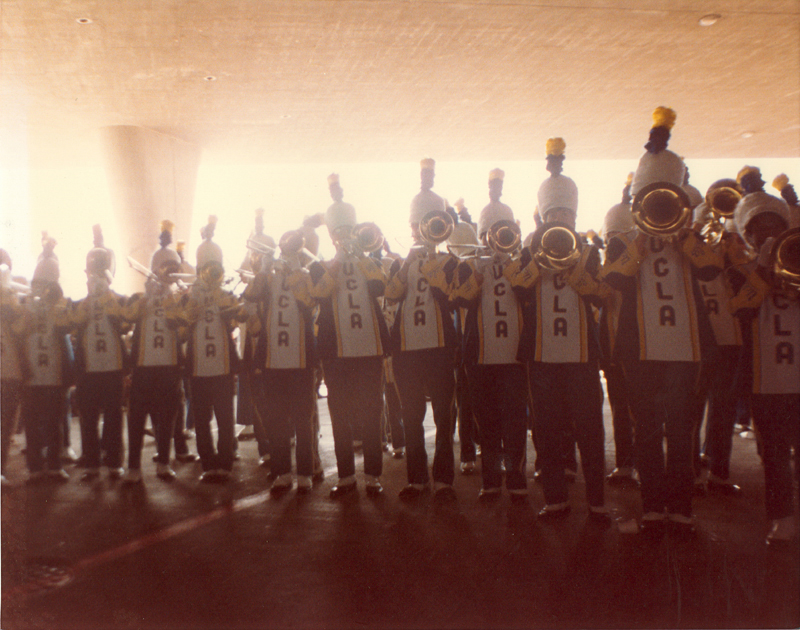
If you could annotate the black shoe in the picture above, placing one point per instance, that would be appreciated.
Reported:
(374, 490)
(337, 492)
(186, 458)
(489, 495)
(409, 493)
(554, 515)
(726, 489)
(318, 477)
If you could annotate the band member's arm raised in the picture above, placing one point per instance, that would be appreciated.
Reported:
(707, 261)
(623, 257)
(323, 281)
(467, 283)
(375, 275)
(582, 277)
(398, 280)
(523, 274)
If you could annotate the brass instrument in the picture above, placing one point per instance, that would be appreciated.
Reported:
(661, 209)
(436, 227)
(212, 273)
(504, 237)
(785, 262)
(721, 202)
(560, 248)
(367, 238)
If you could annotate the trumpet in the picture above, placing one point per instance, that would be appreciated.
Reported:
(366, 238)
(721, 202)
(504, 237)
(661, 209)
(434, 228)
(785, 262)
(559, 249)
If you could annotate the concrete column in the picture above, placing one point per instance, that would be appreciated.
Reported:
(152, 176)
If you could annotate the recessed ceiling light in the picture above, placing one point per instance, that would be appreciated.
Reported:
(748, 134)
(84, 20)
(286, 115)
(210, 77)
(710, 19)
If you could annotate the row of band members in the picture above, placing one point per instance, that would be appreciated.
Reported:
(681, 314)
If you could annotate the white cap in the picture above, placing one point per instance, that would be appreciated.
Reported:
(753, 204)
(493, 213)
(557, 191)
(695, 196)
(340, 214)
(424, 202)
(618, 219)
(700, 214)
(208, 251)
(463, 234)
(47, 268)
(162, 256)
(664, 166)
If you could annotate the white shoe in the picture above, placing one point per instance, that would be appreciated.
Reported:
(467, 467)
(60, 474)
(133, 475)
(163, 471)
(264, 460)
(783, 529)
(304, 483)
(283, 481)
(69, 455)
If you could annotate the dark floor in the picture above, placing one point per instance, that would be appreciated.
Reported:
(189, 555)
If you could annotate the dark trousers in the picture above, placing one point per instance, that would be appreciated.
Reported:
(181, 447)
(212, 396)
(10, 401)
(43, 413)
(660, 395)
(568, 399)
(101, 392)
(500, 395)
(620, 415)
(418, 373)
(465, 413)
(355, 398)
(289, 413)
(721, 414)
(394, 414)
(155, 391)
(776, 417)
(260, 410)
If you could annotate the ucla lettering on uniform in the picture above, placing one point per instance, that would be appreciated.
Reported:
(100, 345)
(422, 284)
(713, 306)
(158, 341)
(560, 327)
(661, 267)
(499, 289)
(418, 301)
(209, 317)
(283, 338)
(559, 281)
(556, 307)
(705, 290)
(497, 310)
(348, 269)
(779, 332)
(43, 360)
(661, 294)
(281, 321)
(501, 329)
(208, 334)
(656, 245)
(350, 302)
(159, 312)
(157, 326)
(355, 321)
(497, 271)
(211, 350)
(283, 300)
(784, 353)
(351, 284)
(98, 331)
(666, 315)
(419, 318)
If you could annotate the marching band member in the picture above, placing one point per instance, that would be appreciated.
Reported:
(559, 343)
(251, 402)
(12, 367)
(284, 361)
(772, 309)
(720, 365)
(211, 362)
(662, 325)
(102, 360)
(44, 327)
(464, 242)
(156, 360)
(618, 221)
(423, 346)
(352, 340)
(491, 343)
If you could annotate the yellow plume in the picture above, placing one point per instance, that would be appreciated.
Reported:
(212, 219)
(781, 181)
(555, 146)
(629, 179)
(664, 117)
(180, 246)
(166, 226)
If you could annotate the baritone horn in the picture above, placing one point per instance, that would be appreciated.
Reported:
(661, 209)
(560, 248)
(721, 204)
(504, 237)
(785, 262)
(367, 238)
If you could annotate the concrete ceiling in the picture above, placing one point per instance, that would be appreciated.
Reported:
(257, 81)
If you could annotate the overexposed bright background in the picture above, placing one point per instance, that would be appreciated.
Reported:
(67, 202)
